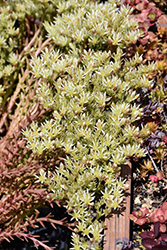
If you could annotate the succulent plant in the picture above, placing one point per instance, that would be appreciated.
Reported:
(90, 89)
(154, 140)
(124, 244)
(154, 240)
(144, 215)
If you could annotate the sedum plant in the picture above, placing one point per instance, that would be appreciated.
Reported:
(90, 89)
(22, 35)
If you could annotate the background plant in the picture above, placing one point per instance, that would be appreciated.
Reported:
(22, 36)
(124, 244)
(154, 239)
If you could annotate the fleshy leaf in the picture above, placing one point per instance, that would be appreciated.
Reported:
(147, 234)
(156, 228)
(149, 243)
(160, 247)
(118, 242)
(164, 205)
(141, 221)
(164, 237)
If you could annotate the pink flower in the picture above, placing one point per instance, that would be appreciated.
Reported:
(153, 178)
(153, 14)
(160, 213)
(153, 218)
(141, 213)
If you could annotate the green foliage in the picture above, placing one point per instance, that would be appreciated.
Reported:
(19, 22)
(20, 39)
(91, 89)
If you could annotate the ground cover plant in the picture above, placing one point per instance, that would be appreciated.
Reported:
(82, 88)
(91, 90)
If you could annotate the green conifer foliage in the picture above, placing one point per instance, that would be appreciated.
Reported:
(91, 89)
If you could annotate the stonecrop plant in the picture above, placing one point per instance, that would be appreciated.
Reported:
(90, 89)
(14, 28)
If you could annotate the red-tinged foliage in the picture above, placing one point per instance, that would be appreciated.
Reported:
(153, 23)
(148, 243)
(163, 237)
(152, 240)
(157, 177)
(20, 194)
(153, 14)
(161, 247)
(164, 205)
(153, 178)
(141, 221)
(161, 215)
(26, 237)
(147, 234)
(152, 216)
(143, 215)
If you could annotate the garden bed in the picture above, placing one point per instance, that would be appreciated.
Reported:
(143, 190)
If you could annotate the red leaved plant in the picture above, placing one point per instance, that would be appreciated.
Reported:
(157, 177)
(20, 194)
(154, 239)
(143, 215)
